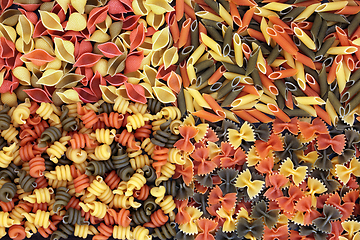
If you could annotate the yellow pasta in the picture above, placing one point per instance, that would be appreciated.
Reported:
(331, 6)
(77, 22)
(309, 100)
(195, 56)
(304, 38)
(188, 101)
(209, 16)
(51, 21)
(224, 14)
(340, 76)
(263, 12)
(332, 113)
(342, 50)
(239, 59)
(244, 100)
(210, 43)
(198, 98)
(306, 13)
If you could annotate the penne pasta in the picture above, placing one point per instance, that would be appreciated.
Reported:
(342, 50)
(308, 101)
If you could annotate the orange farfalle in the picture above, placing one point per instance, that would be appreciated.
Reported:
(292, 126)
(206, 226)
(274, 143)
(277, 181)
(187, 132)
(227, 150)
(201, 164)
(288, 203)
(187, 173)
(182, 216)
(304, 205)
(337, 143)
(345, 209)
(227, 201)
(280, 233)
(308, 130)
(351, 196)
(265, 166)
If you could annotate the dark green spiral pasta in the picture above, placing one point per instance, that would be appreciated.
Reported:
(5, 119)
(9, 172)
(154, 105)
(167, 231)
(7, 192)
(49, 165)
(149, 174)
(62, 198)
(68, 123)
(73, 216)
(50, 135)
(108, 165)
(149, 206)
(106, 108)
(139, 217)
(120, 159)
(64, 161)
(170, 187)
(27, 182)
(64, 231)
(3, 143)
(125, 173)
(95, 168)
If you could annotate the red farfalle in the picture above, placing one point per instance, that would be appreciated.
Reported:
(95, 83)
(280, 233)
(227, 151)
(187, 132)
(137, 37)
(182, 216)
(206, 226)
(116, 80)
(97, 15)
(109, 49)
(274, 143)
(38, 95)
(337, 143)
(87, 60)
(238, 159)
(86, 95)
(201, 164)
(304, 205)
(7, 48)
(276, 181)
(336, 230)
(135, 92)
(133, 61)
(200, 188)
(288, 203)
(351, 196)
(320, 200)
(186, 172)
(265, 166)
(345, 209)
(292, 126)
(211, 136)
(39, 57)
(227, 201)
(308, 130)
(130, 22)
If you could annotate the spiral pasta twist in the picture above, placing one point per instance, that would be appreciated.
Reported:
(7, 155)
(56, 150)
(121, 105)
(167, 171)
(62, 198)
(104, 135)
(5, 119)
(113, 119)
(46, 111)
(176, 157)
(136, 121)
(50, 135)
(40, 218)
(89, 118)
(120, 159)
(148, 146)
(81, 140)
(139, 162)
(76, 155)
(122, 201)
(135, 183)
(37, 166)
(17, 212)
(10, 134)
(158, 218)
(171, 112)
(112, 179)
(27, 183)
(141, 233)
(122, 217)
(96, 209)
(121, 232)
(68, 123)
(144, 131)
(137, 108)
(166, 231)
(60, 173)
(7, 192)
(22, 112)
(82, 231)
(102, 152)
(166, 203)
(126, 138)
(73, 216)
(42, 195)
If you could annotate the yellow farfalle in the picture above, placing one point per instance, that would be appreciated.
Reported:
(343, 172)
(253, 186)
(298, 174)
(229, 224)
(351, 227)
(246, 133)
(191, 226)
(253, 157)
(315, 187)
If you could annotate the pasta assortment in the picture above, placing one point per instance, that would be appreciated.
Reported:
(179, 119)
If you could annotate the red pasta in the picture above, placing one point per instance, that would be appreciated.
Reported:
(38, 95)
(17, 232)
(7, 206)
(81, 182)
(86, 95)
(41, 182)
(116, 80)
(122, 217)
(133, 61)
(109, 49)
(187, 132)
(127, 139)
(105, 230)
(201, 163)
(309, 130)
(160, 156)
(184, 33)
(144, 131)
(280, 233)
(345, 209)
(158, 219)
(112, 180)
(96, 15)
(7, 48)
(87, 60)
(80, 140)
(137, 37)
(227, 201)
(292, 126)
(276, 181)
(37, 166)
(114, 119)
(136, 93)
(143, 193)
(39, 57)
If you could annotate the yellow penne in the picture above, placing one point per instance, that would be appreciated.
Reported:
(243, 78)
(244, 100)
(197, 107)
(220, 58)
(356, 42)
(261, 63)
(263, 26)
(263, 108)
(204, 57)
(209, 16)
(332, 113)
(347, 71)
(245, 106)
(239, 58)
(277, 62)
(198, 98)
(309, 100)
(268, 93)
(304, 38)
(331, 6)
(225, 15)
(191, 73)
(306, 13)
(266, 99)
(340, 76)
(188, 101)
(342, 50)
(210, 43)
(260, 11)
(276, 6)
(196, 54)
(300, 76)
(289, 59)
(307, 108)
(230, 115)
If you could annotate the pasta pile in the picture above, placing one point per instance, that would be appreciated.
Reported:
(180, 119)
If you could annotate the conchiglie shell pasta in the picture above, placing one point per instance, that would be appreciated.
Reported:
(64, 50)
(164, 94)
(77, 22)
(50, 21)
(69, 96)
(23, 74)
(50, 77)
(160, 39)
(79, 5)
(25, 29)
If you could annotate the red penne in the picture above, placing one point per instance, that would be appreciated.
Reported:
(179, 9)
(214, 105)
(284, 44)
(208, 116)
(246, 50)
(275, 20)
(245, 2)
(256, 34)
(260, 116)
(278, 112)
(217, 75)
(348, 10)
(332, 73)
(305, 60)
(184, 75)
(284, 34)
(247, 16)
(244, 115)
(283, 74)
(174, 29)
(235, 14)
(189, 11)
(268, 84)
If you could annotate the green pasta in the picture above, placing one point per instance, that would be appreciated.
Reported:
(273, 54)
(322, 33)
(185, 53)
(214, 5)
(281, 88)
(296, 112)
(194, 34)
(203, 65)
(334, 17)
(202, 79)
(293, 14)
(307, 51)
(355, 22)
(211, 23)
(233, 68)
(7, 192)
(256, 78)
(324, 48)
(225, 4)
(228, 87)
(252, 61)
(316, 27)
(227, 41)
(5, 119)
(211, 88)
(214, 34)
(336, 104)
(181, 101)
(231, 96)
(324, 86)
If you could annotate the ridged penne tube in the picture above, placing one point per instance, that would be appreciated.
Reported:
(342, 50)
(239, 59)
(188, 101)
(276, 6)
(209, 16)
(306, 13)
(224, 14)
(278, 112)
(340, 76)
(331, 6)
(194, 57)
(307, 108)
(304, 38)
(244, 100)
(261, 11)
(263, 26)
(261, 62)
(220, 58)
(309, 100)
(210, 43)
(198, 98)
